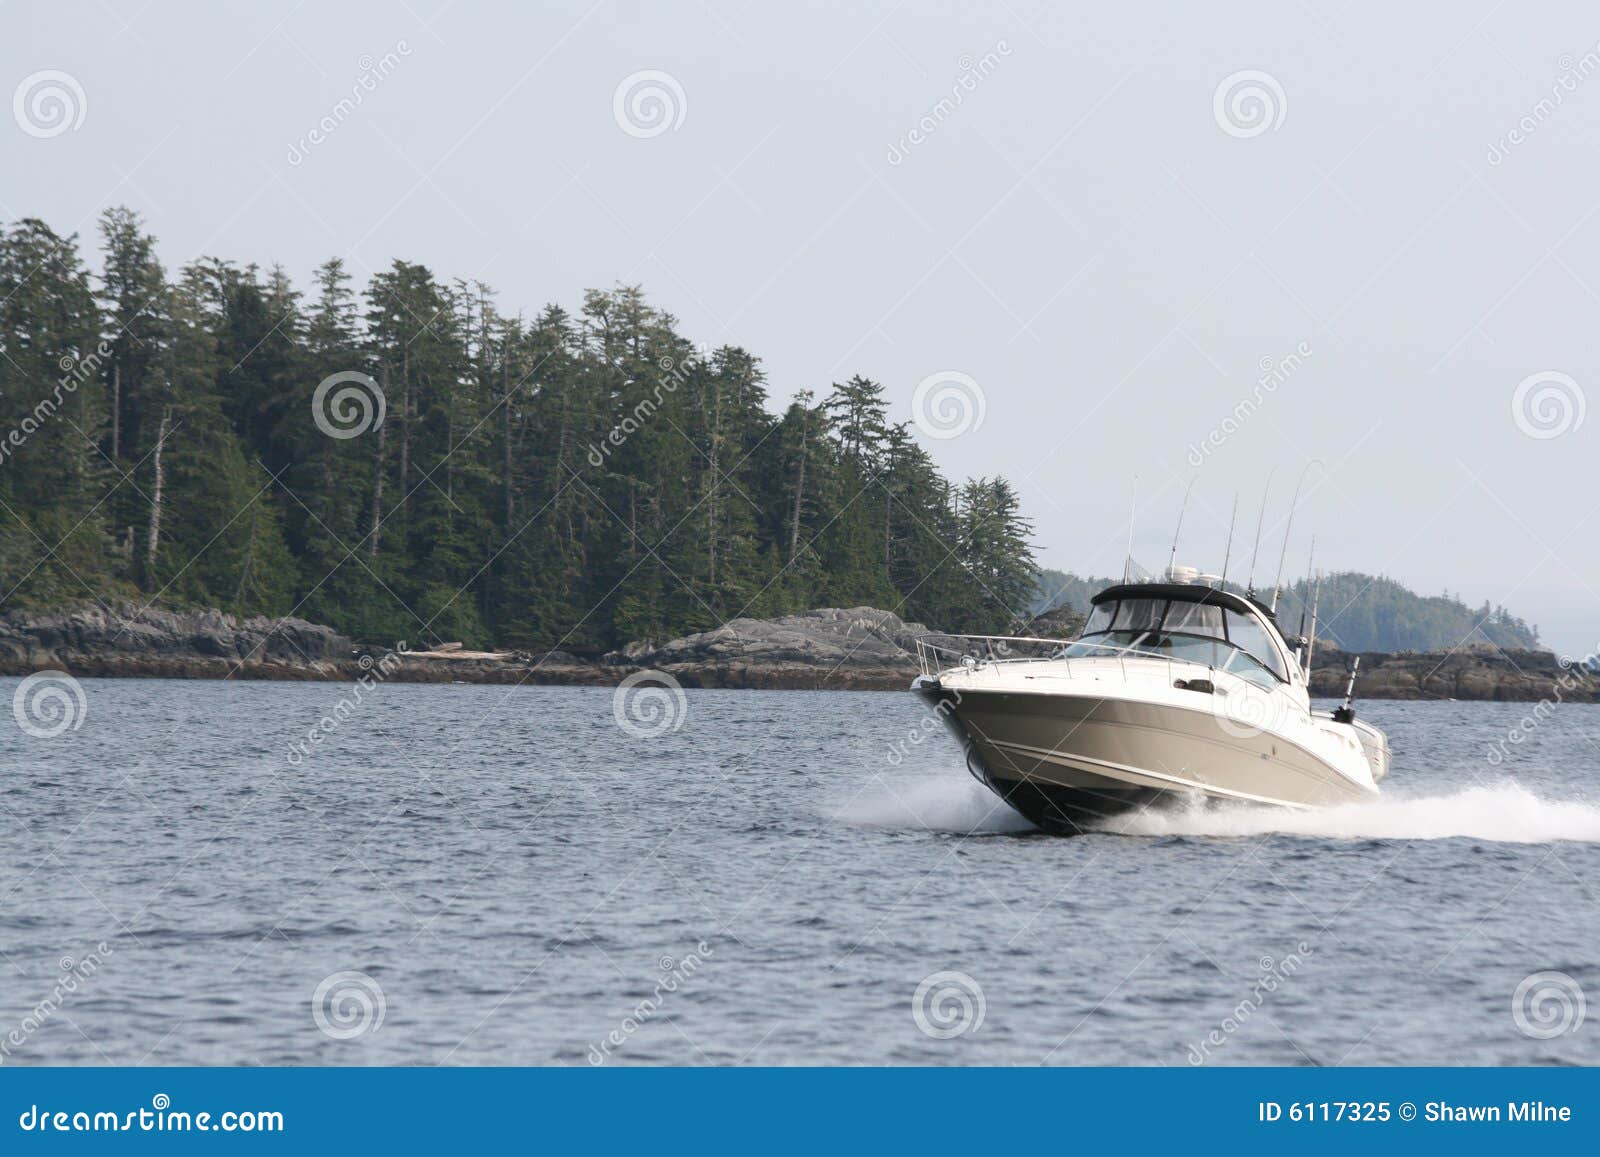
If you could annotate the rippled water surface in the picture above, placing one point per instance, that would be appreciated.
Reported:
(512, 871)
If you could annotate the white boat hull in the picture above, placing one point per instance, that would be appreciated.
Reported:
(1070, 744)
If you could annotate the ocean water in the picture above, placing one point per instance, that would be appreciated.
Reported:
(494, 875)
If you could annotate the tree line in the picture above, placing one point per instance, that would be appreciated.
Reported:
(406, 461)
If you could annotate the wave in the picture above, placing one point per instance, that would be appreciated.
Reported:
(1506, 812)
(944, 803)
(1503, 813)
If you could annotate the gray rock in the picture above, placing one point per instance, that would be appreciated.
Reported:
(855, 636)
(125, 638)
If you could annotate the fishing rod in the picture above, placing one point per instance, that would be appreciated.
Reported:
(1284, 554)
(1177, 530)
(1133, 510)
(1228, 551)
(1311, 642)
(1250, 583)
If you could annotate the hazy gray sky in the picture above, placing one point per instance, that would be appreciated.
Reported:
(1100, 239)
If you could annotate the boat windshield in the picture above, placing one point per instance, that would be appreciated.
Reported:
(1183, 629)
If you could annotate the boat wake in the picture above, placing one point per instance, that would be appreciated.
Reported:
(1503, 813)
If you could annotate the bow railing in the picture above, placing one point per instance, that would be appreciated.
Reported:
(942, 652)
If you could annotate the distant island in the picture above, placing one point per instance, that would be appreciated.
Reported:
(1356, 612)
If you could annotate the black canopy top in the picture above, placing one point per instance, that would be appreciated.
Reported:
(1183, 592)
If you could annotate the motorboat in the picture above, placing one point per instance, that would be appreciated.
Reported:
(1177, 687)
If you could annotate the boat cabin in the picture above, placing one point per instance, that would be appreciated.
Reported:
(1200, 624)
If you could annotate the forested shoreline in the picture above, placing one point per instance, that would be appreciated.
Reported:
(404, 460)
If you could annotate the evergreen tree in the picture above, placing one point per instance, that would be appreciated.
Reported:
(578, 481)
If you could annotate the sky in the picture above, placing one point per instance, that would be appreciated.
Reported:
(1078, 246)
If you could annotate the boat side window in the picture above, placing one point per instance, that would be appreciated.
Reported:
(1099, 619)
(1250, 670)
(1251, 638)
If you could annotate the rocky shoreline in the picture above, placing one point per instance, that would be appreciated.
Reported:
(858, 648)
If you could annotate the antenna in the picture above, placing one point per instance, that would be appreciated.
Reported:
(1228, 552)
(1288, 527)
(1250, 583)
(1133, 509)
(1310, 560)
(1182, 510)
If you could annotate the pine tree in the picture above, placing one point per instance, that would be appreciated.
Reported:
(580, 481)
